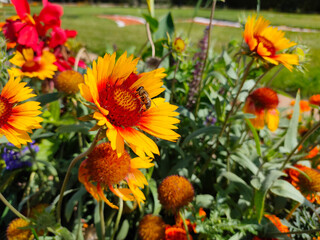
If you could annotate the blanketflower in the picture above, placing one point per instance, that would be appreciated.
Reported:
(315, 99)
(41, 67)
(265, 42)
(18, 119)
(263, 103)
(176, 233)
(123, 103)
(179, 45)
(304, 105)
(151, 227)
(14, 231)
(308, 186)
(103, 169)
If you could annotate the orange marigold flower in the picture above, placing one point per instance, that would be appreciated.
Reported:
(151, 227)
(179, 45)
(18, 119)
(104, 168)
(315, 99)
(202, 214)
(176, 233)
(265, 42)
(15, 232)
(262, 103)
(68, 81)
(304, 105)
(123, 103)
(31, 66)
(175, 192)
(276, 221)
(308, 186)
(313, 152)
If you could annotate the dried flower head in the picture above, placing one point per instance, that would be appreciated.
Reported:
(14, 231)
(103, 169)
(175, 192)
(68, 81)
(151, 227)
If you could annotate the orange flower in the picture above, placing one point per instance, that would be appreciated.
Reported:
(313, 152)
(176, 233)
(122, 102)
(14, 231)
(262, 103)
(151, 228)
(304, 105)
(315, 99)
(308, 186)
(265, 42)
(18, 119)
(104, 168)
(175, 192)
(276, 221)
(202, 214)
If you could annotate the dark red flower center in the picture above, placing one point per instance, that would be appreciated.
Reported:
(30, 66)
(267, 44)
(124, 105)
(264, 98)
(5, 110)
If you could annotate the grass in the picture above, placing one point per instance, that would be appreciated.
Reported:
(98, 34)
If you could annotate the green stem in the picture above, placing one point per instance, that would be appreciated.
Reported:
(207, 53)
(118, 218)
(15, 211)
(292, 211)
(303, 139)
(163, 58)
(102, 224)
(66, 178)
(34, 160)
(184, 224)
(274, 76)
(174, 80)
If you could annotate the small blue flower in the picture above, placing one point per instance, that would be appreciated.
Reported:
(13, 159)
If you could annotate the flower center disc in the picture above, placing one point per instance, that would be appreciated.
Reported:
(124, 106)
(105, 167)
(267, 44)
(30, 66)
(5, 110)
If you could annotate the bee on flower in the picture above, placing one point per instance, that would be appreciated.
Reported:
(113, 88)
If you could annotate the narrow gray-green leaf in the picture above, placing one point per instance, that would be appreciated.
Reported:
(255, 136)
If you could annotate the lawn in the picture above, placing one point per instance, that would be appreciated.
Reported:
(105, 34)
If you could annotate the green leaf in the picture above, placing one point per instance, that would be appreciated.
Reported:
(153, 22)
(217, 107)
(73, 128)
(151, 7)
(123, 232)
(64, 233)
(47, 98)
(290, 141)
(285, 189)
(204, 200)
(55, 110)
(166, 25)
(73, 201)
(260, 195)
(154, 191)
(242, 186)
(255, 136)
(206, 130)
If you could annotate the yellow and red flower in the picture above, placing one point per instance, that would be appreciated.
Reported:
(175, 192)
(151, 227)
(32, 66)
(263, 103)
(315, 99)
(176, 233)
(265, 42)
(121, 99)
(68, 81)
(308, 186)
(179, 45)
(18, 119)
(103, 169)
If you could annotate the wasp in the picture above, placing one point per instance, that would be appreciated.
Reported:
(144, 97)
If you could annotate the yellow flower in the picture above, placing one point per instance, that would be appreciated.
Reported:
(151, 227)
(123, 103)
(175, 192)
(41, 67)
(18, 119)
(14, 231)
(266, 42)
(104, 168)
(179, 45)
